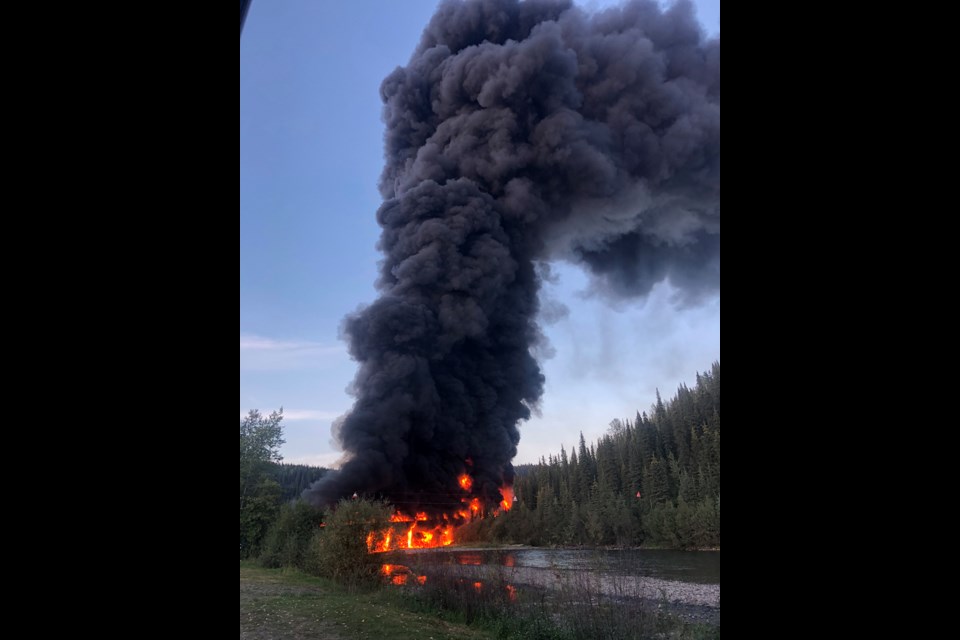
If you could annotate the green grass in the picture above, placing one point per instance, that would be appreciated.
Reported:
(282, 603)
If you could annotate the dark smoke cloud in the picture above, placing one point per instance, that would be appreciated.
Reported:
(519, 132)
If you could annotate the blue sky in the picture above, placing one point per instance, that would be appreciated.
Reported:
(310, 155)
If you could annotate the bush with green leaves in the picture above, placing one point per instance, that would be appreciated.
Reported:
(339, 550)
(287, 540)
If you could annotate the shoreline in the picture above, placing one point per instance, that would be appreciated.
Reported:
(513, 547)
(696, 602)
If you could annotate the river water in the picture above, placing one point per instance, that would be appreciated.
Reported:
(687, 583)
(701, 567)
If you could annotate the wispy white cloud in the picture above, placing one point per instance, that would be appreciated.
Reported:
(251, 342)
(331, 460)
(292, 415)
(310, 414)
(260, 353)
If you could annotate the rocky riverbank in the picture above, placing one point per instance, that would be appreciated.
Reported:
(691, 601)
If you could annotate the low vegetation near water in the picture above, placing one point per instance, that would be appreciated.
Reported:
(280, 604)
(287, 603)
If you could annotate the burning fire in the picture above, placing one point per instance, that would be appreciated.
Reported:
(472, 510)
(417, 536)
(507, 501)
(427, 533)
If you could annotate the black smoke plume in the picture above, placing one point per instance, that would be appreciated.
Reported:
(519, 132)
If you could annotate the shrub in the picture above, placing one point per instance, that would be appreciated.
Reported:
(339, 551)
(289, 537)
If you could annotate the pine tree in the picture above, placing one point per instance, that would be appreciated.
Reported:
(655, 483)
(672, 459)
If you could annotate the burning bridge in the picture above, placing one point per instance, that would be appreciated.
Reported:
(421, 531)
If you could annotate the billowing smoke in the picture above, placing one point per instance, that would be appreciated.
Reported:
(519, 132)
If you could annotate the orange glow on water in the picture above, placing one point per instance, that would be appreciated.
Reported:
(400, 575)
(471, 559)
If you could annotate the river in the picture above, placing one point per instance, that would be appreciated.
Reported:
(687, 582)
(702, 567)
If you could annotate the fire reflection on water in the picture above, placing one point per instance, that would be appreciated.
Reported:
(401, 575)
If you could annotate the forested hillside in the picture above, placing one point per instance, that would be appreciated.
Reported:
(652, 480)
(294, 478)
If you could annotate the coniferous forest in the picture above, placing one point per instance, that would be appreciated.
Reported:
(653, 480)
(294, 478)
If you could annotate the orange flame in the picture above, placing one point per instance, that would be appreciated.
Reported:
(472, 510)
(427, 532)
(446, 537)
(402, 517)
(511, 592)
(507, 501)
(419, 535)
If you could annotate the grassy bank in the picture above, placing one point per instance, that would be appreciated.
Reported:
(278, 604)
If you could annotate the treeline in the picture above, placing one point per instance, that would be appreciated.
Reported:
(294, 478)
(265, 482)
(654, 480)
